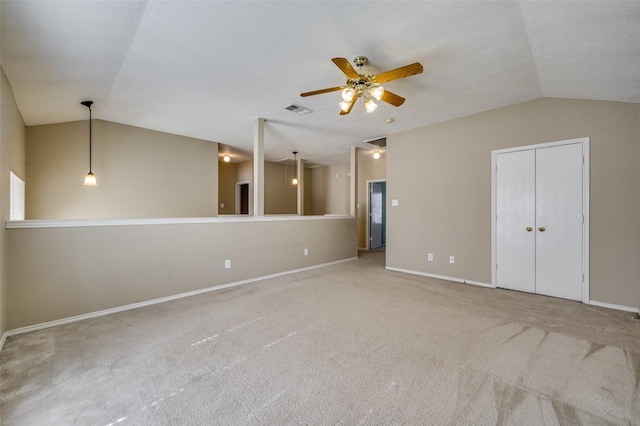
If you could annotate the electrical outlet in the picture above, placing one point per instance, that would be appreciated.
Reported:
(227, 264)
(430, 257)
(452, 259)
(306, 252)
(222, 205)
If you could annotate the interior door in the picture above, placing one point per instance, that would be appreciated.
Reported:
(377, 204)
(243, 198)
(515, 222)
(559, 219)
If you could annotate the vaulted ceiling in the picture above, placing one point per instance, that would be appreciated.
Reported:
(207, 69)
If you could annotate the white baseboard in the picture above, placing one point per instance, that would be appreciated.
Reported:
(612, 306)
(440, 277)
(96, 314)
(3, 339)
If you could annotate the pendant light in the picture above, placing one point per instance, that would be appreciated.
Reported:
(295, 169)
(90, 178)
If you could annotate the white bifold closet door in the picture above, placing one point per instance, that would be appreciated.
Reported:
(539, 238)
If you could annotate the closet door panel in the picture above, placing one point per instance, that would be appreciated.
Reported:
(515, 226)
(559, 220)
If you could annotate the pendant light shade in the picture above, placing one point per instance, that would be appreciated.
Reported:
(348, 93)
(90, 178)
(370, 106)
(377, 92)
(295, 169)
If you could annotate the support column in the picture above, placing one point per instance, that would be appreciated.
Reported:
(354, 181)
(300, 189)
(258, 167)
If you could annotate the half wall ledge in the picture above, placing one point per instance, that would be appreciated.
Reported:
(64, 269)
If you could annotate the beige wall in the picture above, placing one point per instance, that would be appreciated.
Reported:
(12, 157)
(227, 173)
(279, 194)
(55, 273)
(140, 172)
(330, 190)
(245, 172)
(441, 176)
(368, 169)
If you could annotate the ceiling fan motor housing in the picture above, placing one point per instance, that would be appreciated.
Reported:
(359, 61)
(365, 78)
(360, 85)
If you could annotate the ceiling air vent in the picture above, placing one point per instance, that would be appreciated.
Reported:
(379, 142)
(298, 109)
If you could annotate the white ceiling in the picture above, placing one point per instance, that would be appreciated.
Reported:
(207, 69)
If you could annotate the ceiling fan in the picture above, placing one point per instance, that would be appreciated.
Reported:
(363, 84)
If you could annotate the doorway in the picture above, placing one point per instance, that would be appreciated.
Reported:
(540, 231)
(376, 214)
(243, 198)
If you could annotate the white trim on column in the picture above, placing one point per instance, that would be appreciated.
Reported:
(258, 167)
(300, 186)
(353, 205)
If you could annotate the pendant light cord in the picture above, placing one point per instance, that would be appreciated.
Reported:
(90, 142)
(88, 105)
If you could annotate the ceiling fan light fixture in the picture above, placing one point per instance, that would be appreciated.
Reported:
(362, 83)
(348, 93)
(370, 105)
(377, 92)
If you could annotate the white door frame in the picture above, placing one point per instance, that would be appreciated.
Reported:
(369, 182)
(585, 206)
(238, 184)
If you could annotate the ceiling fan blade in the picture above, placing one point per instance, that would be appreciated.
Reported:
(346, 67)
(353, 102)
(392, 98)
(318, 92)
(402, 72)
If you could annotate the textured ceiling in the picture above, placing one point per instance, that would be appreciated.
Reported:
(207, 69)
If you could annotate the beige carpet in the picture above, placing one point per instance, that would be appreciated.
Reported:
(346, 344)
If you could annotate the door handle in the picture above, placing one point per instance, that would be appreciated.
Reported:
(529, 229)
(542, 229)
